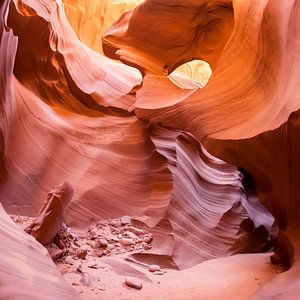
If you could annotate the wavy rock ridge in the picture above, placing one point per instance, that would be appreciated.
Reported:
(238, 119)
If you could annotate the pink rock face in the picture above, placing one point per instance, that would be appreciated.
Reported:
(27, 271)
(135, 140)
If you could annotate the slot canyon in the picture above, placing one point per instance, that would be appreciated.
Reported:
(148, 149)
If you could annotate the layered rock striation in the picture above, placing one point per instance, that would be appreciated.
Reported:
(138, 139)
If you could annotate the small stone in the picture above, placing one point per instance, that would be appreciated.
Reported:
(69, 260)
(100, 224)
(115, 231)
(126, 242)
(110, 247)
(133, 283)
(61, 245)
(54, 251)
(75, 284)
(93, 266)
(111, 238)
(146, 246)
(56, 254)
(51, 247)
(92, 231)
(71, 237)
(78, 269)
(103, 243)
(131, 235)
(125, 220)
(76, 243)
(115, 223)
(85, 279)
(136, 231)
(154, 268)
(81, 253)
(98, 252)
(147, 239)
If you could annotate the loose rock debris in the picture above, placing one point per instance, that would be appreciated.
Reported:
(104, 238)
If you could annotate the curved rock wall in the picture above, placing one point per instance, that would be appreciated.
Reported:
(247, 114)
(144, 142)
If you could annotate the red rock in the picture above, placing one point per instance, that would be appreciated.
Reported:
(69, 260)
(126, 242)
(75, 284)
(133, 283)
(49, 219)
(98, 252)
(93, 266)
(131, 235)
(147, 239)
(146, 246)
(103, 243)
(125, 220)
(81, 253)
(154, 268)
(136, 231)
(56, 254)
(61, 245)
(115, 223)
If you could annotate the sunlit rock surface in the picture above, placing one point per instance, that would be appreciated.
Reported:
(133, 137)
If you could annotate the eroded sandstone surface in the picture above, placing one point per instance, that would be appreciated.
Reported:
(181, 115)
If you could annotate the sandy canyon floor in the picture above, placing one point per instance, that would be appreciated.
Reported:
(98, 262)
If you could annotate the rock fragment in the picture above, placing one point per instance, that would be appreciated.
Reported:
(56, 254)
(103, 243)
(98, 252)
(133, 283)
(146, 246)
(45, 226)
(115, 223)
(147, 239)
(125, 220)
(69, 260)
(126, 242)
(93, 266)
(54, 251)
(154, 268)
(81, 253)
(75, 284)
(131, 235)
(136, 231)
